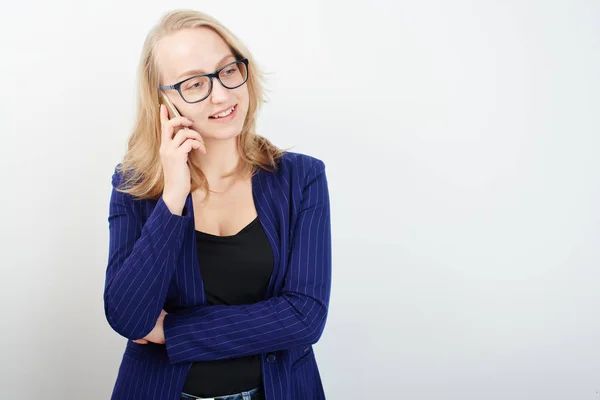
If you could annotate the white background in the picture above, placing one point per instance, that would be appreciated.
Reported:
(461, 141)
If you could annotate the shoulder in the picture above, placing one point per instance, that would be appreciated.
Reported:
(117, 176)
(301, 165)
(295, 173)
(122, 179)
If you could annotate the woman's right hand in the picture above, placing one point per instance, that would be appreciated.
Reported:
(174, 151)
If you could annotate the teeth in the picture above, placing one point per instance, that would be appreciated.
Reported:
(224, 113)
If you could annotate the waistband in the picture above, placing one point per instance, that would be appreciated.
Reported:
(254, 394)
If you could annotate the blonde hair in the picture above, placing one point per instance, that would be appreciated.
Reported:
(141, 167)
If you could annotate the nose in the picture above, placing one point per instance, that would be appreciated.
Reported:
(219, 93)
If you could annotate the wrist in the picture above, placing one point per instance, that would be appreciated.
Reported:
(174, 204)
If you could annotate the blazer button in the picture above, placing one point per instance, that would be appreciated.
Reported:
(271, 358)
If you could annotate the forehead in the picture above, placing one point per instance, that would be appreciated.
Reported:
(190, 49)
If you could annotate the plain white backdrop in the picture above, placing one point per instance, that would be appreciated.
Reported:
(461, 141)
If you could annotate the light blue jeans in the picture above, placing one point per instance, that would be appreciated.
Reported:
(254, 394)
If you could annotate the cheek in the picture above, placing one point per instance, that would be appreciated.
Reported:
(244, 100)
(198, 112)
(242, 94)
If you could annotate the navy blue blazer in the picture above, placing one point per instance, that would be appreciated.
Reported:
(152, 265)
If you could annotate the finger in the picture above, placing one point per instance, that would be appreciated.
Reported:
(185, 134)
(187, 146)
(174, 127)
(180, 121)
(197, 145)
(202, 148)
(141, 341)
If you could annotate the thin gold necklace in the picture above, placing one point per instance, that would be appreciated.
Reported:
(224, 191)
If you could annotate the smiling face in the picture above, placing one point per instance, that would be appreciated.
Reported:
(189, 52)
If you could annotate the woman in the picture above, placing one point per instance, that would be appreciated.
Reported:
(219, 267)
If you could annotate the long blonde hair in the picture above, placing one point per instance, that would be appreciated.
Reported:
(141, 167)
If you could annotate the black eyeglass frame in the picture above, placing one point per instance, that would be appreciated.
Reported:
(215, 74)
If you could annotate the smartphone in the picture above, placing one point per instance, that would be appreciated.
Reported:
(173, 112)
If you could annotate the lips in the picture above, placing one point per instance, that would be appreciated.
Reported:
(224, 112)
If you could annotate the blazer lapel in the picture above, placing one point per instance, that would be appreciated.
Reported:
(187, 288)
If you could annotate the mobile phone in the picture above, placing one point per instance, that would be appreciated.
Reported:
(173, 112)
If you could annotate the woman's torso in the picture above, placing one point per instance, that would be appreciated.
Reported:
(236, 263)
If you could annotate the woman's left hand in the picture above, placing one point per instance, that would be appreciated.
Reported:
(157, 335)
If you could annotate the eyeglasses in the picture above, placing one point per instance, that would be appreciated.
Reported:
(199, 87)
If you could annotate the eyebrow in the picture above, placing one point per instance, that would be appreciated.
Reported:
(201, 71)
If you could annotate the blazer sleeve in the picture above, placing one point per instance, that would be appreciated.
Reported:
(296, 317)
(141, 261)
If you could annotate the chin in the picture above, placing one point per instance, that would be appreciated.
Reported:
(225, 133)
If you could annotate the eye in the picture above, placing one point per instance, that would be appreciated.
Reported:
(194, 84)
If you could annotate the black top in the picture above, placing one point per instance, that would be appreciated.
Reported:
(235, 270)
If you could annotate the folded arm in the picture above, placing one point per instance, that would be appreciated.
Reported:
(296, 317)
(141, 262)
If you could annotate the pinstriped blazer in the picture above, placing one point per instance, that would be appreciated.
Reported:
(152, 265)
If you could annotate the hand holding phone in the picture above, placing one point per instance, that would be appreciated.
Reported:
(173, 111)
(174, 152)
(175, 116)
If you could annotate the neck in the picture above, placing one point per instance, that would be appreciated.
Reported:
(222, 158)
